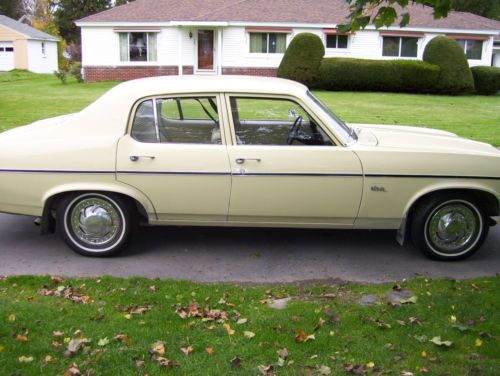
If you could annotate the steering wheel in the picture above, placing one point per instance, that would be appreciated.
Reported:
(294, 129)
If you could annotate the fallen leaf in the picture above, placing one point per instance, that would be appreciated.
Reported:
(266, 370)
(452, 319)
(248, 334)
(235, 362)
(56, 280)
(25, 359)
(167, 363)
(324, 370)
(128, 316)
(478, 342)
(187, 350)
(406, 373)
(139, 364)
(283, 354)
(437, 341)
(313, 356)
(461, 328)
(77, 344)
(396, 287)
(209, 351)
(21, 338)
(357, 369)
(303, 337)
(12, 317)
(230, 331)
(411, 300)
(103, 342)
(57, 333)
(2, 348)
(122, 338)
(242, 321)
(319, 324)
(370, 365)
(55, 344)
(421, 339)
(158, 348)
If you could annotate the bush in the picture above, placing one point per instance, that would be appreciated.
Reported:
(410, 76)
(76, 71)
(62, 74)
(455, 76)
(486, 80)
(302, 59)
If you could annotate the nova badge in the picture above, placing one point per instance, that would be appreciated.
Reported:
(376, 188)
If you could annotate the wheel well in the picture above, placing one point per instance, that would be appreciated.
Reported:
(48, 217)
(489, 203)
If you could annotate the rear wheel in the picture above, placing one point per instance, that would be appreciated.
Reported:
(94, 224)
(449, 227)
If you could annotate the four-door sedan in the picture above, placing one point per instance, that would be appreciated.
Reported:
(243, 151)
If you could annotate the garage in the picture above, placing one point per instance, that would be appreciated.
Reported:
(6, 56)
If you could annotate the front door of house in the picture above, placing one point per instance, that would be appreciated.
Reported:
(205, 50)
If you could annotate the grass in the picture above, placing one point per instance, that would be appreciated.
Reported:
(380, 339)
(25, 97)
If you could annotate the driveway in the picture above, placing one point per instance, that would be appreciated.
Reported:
(242, 255)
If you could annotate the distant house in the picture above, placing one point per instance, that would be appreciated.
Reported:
(176, 37)
(24, 47)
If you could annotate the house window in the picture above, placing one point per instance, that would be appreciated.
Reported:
(400, 46)
(336, 41)
(268, 43)
(473, 48)
(43, 48)
(138, 47)
(9, 49)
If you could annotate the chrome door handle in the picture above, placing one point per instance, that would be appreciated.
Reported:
(135, 158)
(242, 160)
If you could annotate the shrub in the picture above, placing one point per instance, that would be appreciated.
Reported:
(455, 76)
(302, 59)
(76, 71)
(62, 74)
(486, 80)
(411, 76)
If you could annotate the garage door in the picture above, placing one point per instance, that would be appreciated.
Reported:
(6, 56)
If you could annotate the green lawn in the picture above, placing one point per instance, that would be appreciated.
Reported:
(138, 326)
(26, 97)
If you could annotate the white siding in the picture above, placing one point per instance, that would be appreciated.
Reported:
(38, 62)
(100, 46)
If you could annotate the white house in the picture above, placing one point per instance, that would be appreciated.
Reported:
(176, 37)
(24, 47)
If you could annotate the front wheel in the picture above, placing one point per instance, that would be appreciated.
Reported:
(449, 227)
(94, 224)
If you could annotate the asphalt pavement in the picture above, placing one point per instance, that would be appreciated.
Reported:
(239, 255)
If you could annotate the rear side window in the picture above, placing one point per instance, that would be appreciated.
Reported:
(178, 120)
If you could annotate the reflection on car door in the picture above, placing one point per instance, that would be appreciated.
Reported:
(275, 179)
(175, 154)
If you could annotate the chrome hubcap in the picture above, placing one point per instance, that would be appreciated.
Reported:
(453, 227)
(95, 221)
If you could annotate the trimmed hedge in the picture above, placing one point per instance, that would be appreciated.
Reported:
(302, 59)
(410, 76)
(486, 80)
(455, 76)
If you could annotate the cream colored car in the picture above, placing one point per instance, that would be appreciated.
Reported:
(243, 151)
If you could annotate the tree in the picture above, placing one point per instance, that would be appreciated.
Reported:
(485, 8)
(121, 2)
(10, 8)
(68, 11)
(383, 13)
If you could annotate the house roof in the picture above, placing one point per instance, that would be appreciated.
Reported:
(30, 32)
(283, 11)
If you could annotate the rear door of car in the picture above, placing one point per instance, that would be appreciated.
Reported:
(175, 153)
(313, 182)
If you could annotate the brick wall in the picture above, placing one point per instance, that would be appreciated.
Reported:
(132, 72)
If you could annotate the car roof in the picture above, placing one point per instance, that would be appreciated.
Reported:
(208, 84)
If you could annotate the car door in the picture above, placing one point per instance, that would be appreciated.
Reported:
(278, 179)
(175, 153)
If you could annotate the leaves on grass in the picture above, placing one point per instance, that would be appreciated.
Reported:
(242, 321)
(122, 338)
(319, 324)
(248, 334)
(283, 353)
(235, 362)
(266, 370)
(187, 350)
(209, 351)
(324, 371)
(56, 280)
(58, 334)
(76, 344)
(229, 330)
(438, 342)
(11, 317)
(301, 336)
(158, 348)
(166, 363)
(66, 292)
(21, 338)
(139, 364)
(357, 369)
(103, 342)
(421, 339)
(2, 348)
(411, 300)
(206, 314)
(25, 359)
(478, 342)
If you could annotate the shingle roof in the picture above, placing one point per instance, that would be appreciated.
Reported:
(27, 30)
(287, 11)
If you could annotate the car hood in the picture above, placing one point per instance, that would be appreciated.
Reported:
(418, 139)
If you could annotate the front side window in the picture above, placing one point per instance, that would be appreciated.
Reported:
(336, 41)
(271, 43)
(400, 46)
(178, 120)
(138, 47)
(473, 48)
(273, 121)
(43, 48)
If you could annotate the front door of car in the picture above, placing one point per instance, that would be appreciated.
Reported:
(175, 154)
(286, 169)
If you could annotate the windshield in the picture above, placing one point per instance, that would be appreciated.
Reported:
(345, 131)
